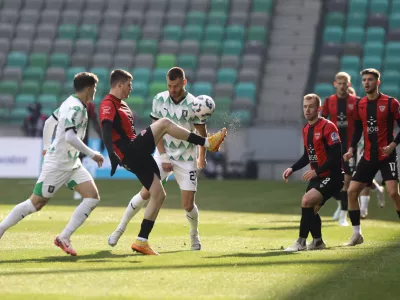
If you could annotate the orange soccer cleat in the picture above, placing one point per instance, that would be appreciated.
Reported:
(216, 140)
(143, 247)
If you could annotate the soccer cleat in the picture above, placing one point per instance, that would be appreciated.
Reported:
(355, 239)
(343, 218)
(114, 237)
(336, 214)
(380, 194)
(216, 140)
(143, 247)
(65, 245)
(196, 244)
(296, 247)
(316, 244)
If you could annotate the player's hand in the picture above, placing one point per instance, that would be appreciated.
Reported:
(348, 155)
(201, 162)
(167, 167)
(166, 163)
(99, 159)
(44, 152)
(115, 162)
(288, 172)
(388, 149)
(310, 174)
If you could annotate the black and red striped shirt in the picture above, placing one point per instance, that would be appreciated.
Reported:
(118, 112)
(341, 112)
(377, 118)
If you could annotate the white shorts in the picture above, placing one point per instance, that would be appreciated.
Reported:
(51, 179)
(185, 173)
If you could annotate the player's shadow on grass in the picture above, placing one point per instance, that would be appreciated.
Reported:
(272, 253)
(294, 227)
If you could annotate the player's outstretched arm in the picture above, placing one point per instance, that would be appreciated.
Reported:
(300, 164)
(48, 130)
(358, 129)
(107, 139)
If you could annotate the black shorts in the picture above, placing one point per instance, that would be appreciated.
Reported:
(366, 170)
(328, 186)
(139, 160)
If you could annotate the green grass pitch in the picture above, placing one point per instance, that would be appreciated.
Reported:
(243, 225)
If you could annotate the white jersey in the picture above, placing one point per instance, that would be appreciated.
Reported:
(182, 114)
(71, 114)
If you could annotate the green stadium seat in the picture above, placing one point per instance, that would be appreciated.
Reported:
(375, 34)
(147, 47)
(358, 6)
(34, 73)
(262, 5)
(9, 87)
(51, 87)
(355, 76)
(356, 20)
(187, 62)
(217, 18)
(193, 32)
(354, 35)
(38, 60)
(67, 31)
(334, 19)
(226, 75)
(157, 87)
(373, 48)
(87, 31)
(29, 87)
(333, 34)
(72, 71)
(219, 5)
(159, 75)
(48, 101)
(195, 18)
(139, 89)
(392, 63)
(24, 100)
(390, 77)
(395, 8)
(257, 33)
(18, 115)
(202, 88)
(324, 90)
(392, 49)
(172, 33)
(222, 104)
(232, 47)
(379, 6)
(130, 32)
(4, 115)
(245, 90)
(211, 47)
(243, 115)
(394, 21)
(136, 104)
(103, 74)
(391, 90)
(372, 62)
(16, 59)
(141, 75)
(214, 33)
(349, 62)
(47, 111)
(60, 60)
(234, 32)
(165, 61)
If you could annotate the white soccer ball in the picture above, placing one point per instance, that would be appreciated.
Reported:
(203, 107)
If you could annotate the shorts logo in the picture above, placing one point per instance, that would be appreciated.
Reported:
(317, 135)
(382, 108)
(143, 132)
(51, 189)
(351, 106)
(334, 136)
(106, 110)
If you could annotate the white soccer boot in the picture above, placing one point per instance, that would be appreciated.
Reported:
(195, 240)
(297, 246)
(356, 239)
(316, 244)
(114, 237)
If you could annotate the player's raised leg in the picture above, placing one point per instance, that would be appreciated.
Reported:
(380, 193)
(364, 201)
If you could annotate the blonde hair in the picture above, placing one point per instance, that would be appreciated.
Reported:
(342, 75)
(313, 96)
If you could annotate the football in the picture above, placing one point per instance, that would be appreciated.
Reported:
(203, 107)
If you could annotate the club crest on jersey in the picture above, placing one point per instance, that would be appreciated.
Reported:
(317, 135)
(382, 108)
(106, 110)
(334, 137)
(351, 106)
(184, 113)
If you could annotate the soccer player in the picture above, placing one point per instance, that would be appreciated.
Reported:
(375, 115)
(322, 150)
(62, 166)
(134, 151)
(339, 108)
(173, 155)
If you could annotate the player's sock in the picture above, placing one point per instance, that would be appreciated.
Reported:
(197, 140)
(316, 231)
(19, 212)
(306, 222)
(193, 219)
(145, 229)
(355, 220)
(364, 201)
(343, 200)
(398, 212)
(132, 209)
(79, 216)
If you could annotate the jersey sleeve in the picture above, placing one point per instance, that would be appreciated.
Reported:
(73, 117)
(325, 108)
(56, 114)
(107, 111)
(332, 134)
(155, 113)
(395, 109)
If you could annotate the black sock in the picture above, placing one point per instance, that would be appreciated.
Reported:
(306, 222)
(354, 217)
(146, 228)
(196, 139)
(344, 200)
(398, 212)
(316, 227)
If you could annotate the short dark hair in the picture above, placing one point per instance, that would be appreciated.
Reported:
(313, 96)
(83, 80)
(176, 73)
(118, 76)
(371, 71)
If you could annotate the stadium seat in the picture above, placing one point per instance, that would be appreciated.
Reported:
(257, 33)
(324, 90)
(87, 31)
(38, 60)
(394, 21)
(235, 32)
(226, 76)
(130, 32)
(16, 59)
(372, 62)
(391, 78)
(232, 47)
(242, 115)
(211, 47)
(139, 89)
(350, 63)
(373, 48)
(219, 5)
(391, 63)
(262, 5)
(356, 19)
(354, 35)
(193, 32)
(136, 103)
(9, 87)
(187, 62)
(392, 49)
(214, 33)
(141, 75)
(165, 61)
(59, 60)
(358, 6)
(147, 47)
(202, 88)
(195, 18)
(333, 34)
(379, 6)
(245, 90)
(18, 115)
(172, 33)
(391, 89)
(34, 73)
(395, 8)
(51, 87)
(375, 34)
(157, 87)
(217, 18)
(72, 71)
(67, 31)
(48, 101)
(334, 19)
(31, 87)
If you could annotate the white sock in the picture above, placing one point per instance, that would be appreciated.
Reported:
(343, 215)
(79, 216)
(339, 204)
(19, 212)
(133, 208)
(364, 200)
(357, 229)
(142, 239)
(207, 144)
(193, 218)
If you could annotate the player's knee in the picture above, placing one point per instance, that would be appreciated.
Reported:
(160, 196)
(393, 193)
(165, 122)
(144, 193)
(39, 202)
(352, 193)
(91, 202)
(188, 206)
(307, 201)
